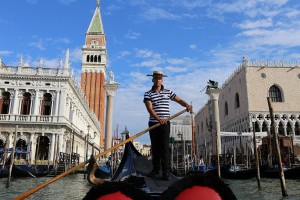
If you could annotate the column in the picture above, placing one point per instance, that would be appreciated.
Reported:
(56, 103)
(61, 142)
(36, 103)
(15, 104)
(31, 148)
(293, 131)
(62, 103)
(110, 88)
(214, 97)
(52, 147)
(10, 139)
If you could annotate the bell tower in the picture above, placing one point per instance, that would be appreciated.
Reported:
(93, 75)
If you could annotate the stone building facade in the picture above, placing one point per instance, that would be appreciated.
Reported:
(243, 100)
(50, 110)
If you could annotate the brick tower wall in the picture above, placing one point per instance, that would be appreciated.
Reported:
(92, 86)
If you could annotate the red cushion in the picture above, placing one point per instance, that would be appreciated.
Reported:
(116, 195)
(198, 193)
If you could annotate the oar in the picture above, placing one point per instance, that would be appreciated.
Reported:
(33, 190)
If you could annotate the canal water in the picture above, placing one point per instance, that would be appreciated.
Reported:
(75, 187)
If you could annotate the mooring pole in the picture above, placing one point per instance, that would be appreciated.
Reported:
(256, 155)
(12, 157)
(275, 135)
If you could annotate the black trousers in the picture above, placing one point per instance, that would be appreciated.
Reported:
(160, 146)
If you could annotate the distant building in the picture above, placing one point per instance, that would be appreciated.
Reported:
(137, 145)
(180, 138)
(181, 129)
(243, 100)
(146, 150)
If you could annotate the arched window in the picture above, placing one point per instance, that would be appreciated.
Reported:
(92, 58)
(46, 104)
(95, 58)
(42, 148)
(237, 100)
(88, 58)
(99, 58)
(226, 108)
(4, 103)
(26, 102)
(275, 94)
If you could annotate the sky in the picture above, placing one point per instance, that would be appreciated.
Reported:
(191, 41)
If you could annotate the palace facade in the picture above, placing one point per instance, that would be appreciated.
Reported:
(243, 100)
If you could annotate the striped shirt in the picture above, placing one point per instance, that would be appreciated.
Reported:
(160, 102)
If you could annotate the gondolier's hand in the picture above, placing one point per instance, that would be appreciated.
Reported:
(189, 108)
(162, 121)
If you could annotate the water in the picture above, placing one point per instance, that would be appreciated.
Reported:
(70, 187)
(270, 189)
(75, 187)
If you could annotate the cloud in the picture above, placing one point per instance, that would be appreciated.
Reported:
(191, 4)
(153, 14)
(132, 35)
(193, 46)
(144, 53)
(39, 44)
(76, 54)
(5, 53)
(255, 8)
(123, 54)
(47, 63)
(263, 23)
(274, 37)
(112, 8)
(176, 69)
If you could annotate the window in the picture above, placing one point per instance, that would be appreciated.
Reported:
(46, 104)
(275, 94)
(4, 103)
(237, 100)
(226, 108)
(26, 102)
(88, 58)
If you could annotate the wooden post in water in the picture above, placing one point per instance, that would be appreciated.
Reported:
(282, 179)
(5, 153)
(37, 151)
(234, 156)
(12, 157)
(256, 156)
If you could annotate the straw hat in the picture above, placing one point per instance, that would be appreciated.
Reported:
(155, 73)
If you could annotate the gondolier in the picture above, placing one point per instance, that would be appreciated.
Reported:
(157, 103)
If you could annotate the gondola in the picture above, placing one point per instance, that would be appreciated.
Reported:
(130, 181)
(238, 172)
(289, 173)
(23, 169)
